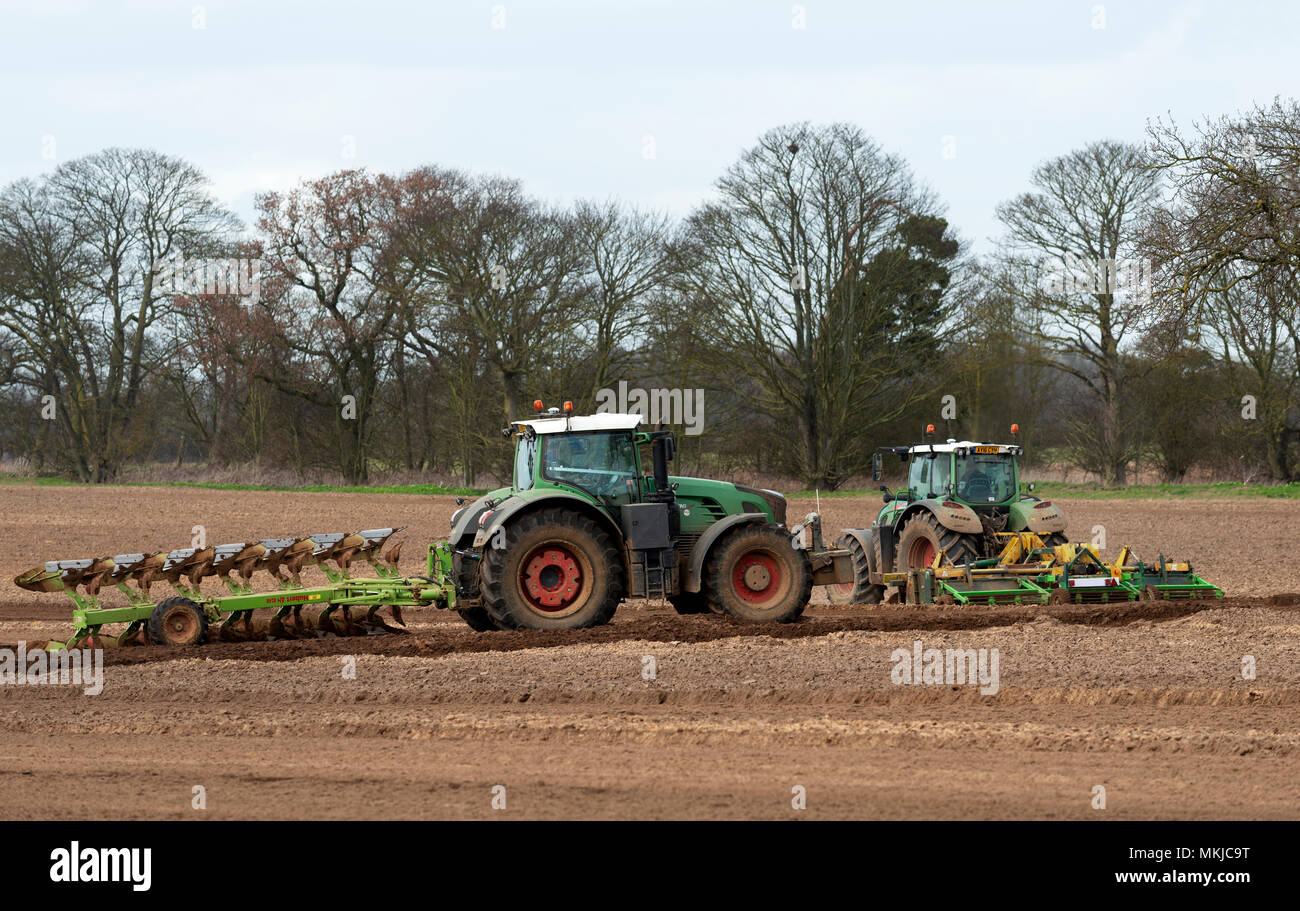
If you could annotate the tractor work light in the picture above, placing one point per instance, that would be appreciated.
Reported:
(1015, 428)
(568, 407)
(537, 404)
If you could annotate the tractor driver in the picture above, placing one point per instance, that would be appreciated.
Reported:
(976, 485)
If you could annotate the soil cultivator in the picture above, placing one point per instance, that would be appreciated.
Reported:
(966, 531)
(184, 619)
(1030, 571)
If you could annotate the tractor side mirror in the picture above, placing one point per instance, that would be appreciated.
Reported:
(1031, 486)
(670, 448)
(877, 466)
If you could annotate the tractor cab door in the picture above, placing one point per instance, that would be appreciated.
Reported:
(601, 464)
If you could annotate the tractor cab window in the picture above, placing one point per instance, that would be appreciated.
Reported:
(940, 475)
(603, 464)
(985, 478)
(918, 477)
(525, 448)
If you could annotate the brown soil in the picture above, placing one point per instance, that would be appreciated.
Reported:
(1147, 700)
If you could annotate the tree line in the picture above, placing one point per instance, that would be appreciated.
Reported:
(1138, 312)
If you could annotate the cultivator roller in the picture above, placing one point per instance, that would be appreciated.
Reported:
(1029, 571)
(335, 554)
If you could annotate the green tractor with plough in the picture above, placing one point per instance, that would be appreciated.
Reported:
(591, 518)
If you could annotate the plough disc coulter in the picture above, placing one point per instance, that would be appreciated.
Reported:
(347, 605)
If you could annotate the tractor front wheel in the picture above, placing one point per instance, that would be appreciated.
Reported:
(923, 537)
(755, 573)
(556, 570)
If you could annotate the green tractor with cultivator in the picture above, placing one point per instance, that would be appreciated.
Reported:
(963, 531)
(588, 521)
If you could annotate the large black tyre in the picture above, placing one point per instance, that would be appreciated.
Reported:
(923, 537)
(755, 573)
(557, 570)
(860, 590)
(178, 621)
(478, 618)
(690, 603)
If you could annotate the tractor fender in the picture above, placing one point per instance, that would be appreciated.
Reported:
(952, 515)
(692, 582)
(1039, 516)
(512, 506)
(466, 521)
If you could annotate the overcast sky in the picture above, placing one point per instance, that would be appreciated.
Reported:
(647, 101)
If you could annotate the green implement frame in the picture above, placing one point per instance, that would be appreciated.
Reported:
(387, 589)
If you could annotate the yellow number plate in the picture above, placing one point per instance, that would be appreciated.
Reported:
(983, 449)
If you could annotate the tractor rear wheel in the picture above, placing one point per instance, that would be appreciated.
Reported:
(178, 621)
(755, 573)
(860, 590)
(689, 603)
(923, 537)
(557, 570)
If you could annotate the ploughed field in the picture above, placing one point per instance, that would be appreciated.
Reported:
(657, 715)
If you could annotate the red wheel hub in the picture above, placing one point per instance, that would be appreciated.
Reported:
(922, 554)
(551, 578)
(756, 577)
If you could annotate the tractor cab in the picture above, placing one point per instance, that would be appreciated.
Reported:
(982, 476)
(596, 455)
(974, 474)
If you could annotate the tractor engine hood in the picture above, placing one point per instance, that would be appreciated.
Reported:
(773, 499)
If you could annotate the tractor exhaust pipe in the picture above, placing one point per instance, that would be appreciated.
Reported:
(662, 449)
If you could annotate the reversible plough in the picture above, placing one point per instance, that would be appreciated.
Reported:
(1029, 571)
(183, 619)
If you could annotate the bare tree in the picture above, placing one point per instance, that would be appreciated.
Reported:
(506, 268)
(1235, 206)
(823, 269)
(327, 240)
(627, 260)
(1070, 258)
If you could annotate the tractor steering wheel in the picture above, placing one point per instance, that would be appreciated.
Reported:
(978, 485)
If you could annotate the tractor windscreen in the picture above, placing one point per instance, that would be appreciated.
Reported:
(985, 478)
(601, 463)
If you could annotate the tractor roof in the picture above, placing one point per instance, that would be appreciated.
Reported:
(557, 423)
(954, 445)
